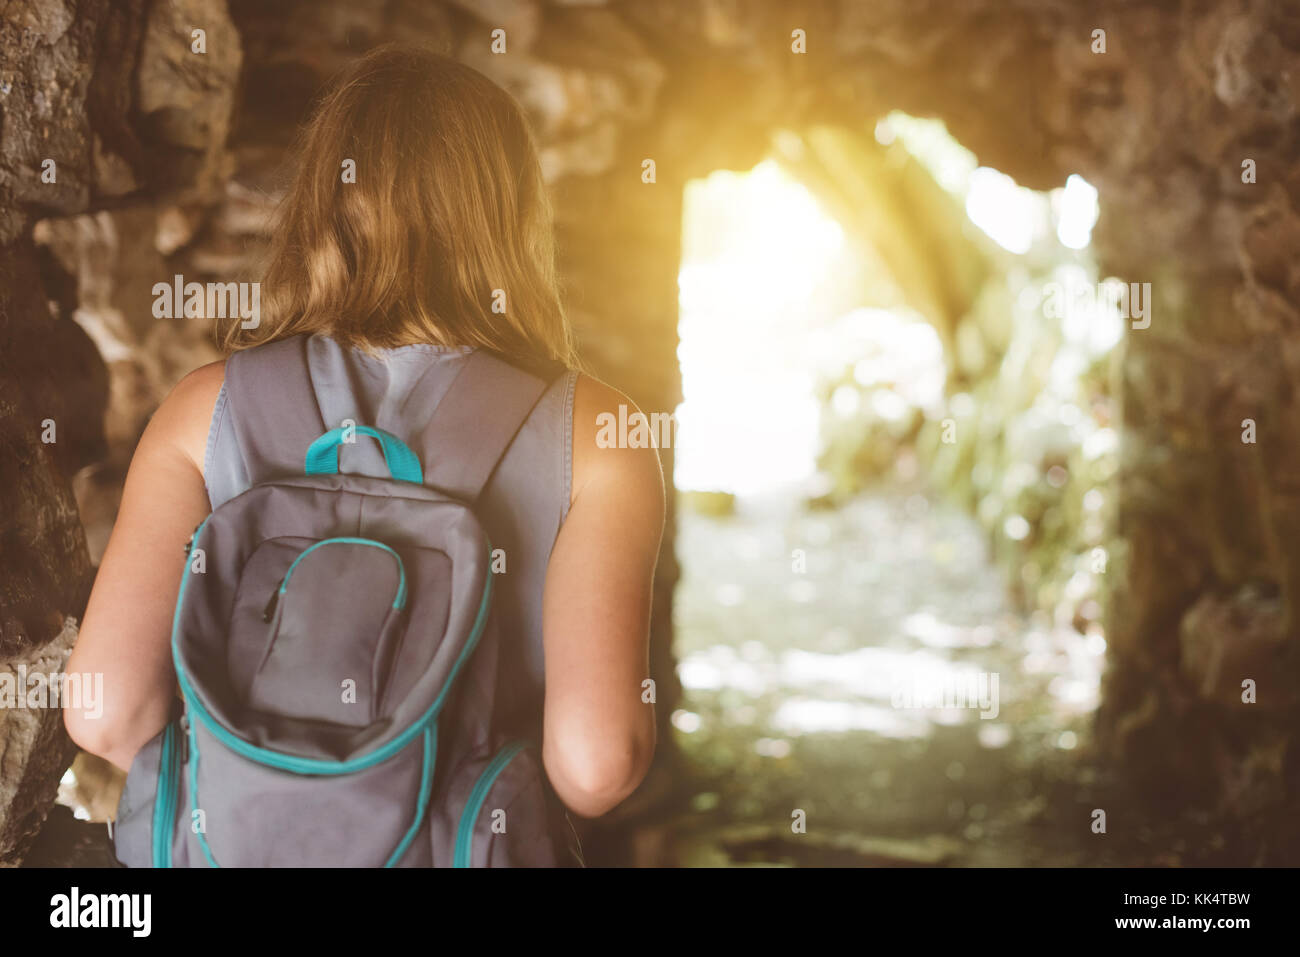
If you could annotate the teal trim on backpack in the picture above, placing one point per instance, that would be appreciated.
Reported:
(166, 798)
(300, 765)
(428, 760)
(477, 796)
(398, 602)
(403, 464)
(194, 797)
(426, 788)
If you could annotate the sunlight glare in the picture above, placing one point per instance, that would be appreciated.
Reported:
(1010, 214)
(1077, 212)
(759, 260)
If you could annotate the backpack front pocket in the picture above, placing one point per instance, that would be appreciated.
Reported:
(505, 817)
(242, 812)
(346, 596)
(142, 831)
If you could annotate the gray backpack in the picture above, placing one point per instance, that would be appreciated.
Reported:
(335, 647)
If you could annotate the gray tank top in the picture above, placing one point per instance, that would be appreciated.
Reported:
(521, 507)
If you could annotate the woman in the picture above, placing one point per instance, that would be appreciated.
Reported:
(417, 230)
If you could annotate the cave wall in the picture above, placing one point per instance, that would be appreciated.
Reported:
(50, 373)
(169, 161)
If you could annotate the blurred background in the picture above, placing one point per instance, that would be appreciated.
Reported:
(977, 323)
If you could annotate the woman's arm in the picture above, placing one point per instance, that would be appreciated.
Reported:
(598, 734)
(127, 628)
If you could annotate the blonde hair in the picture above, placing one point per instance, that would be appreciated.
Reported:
(447, 221)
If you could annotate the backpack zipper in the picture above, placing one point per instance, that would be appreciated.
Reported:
(167, 797)
(399, 601)
(269, 611)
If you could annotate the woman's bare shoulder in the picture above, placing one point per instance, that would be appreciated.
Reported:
(183, 418)
(614, 446)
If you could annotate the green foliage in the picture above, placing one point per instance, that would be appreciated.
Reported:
(1023, 440)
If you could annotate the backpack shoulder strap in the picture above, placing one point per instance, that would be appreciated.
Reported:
(474, 423)
(275, 416)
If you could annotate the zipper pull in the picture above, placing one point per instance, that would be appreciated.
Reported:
(269, 611)
(185, 738)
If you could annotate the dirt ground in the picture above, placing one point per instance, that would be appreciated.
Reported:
(798, 631)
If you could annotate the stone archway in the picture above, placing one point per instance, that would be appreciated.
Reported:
(1160, 110)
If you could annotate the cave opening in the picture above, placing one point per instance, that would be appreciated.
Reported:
(828, 376)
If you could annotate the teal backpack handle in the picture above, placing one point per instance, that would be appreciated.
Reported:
(403, 464)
